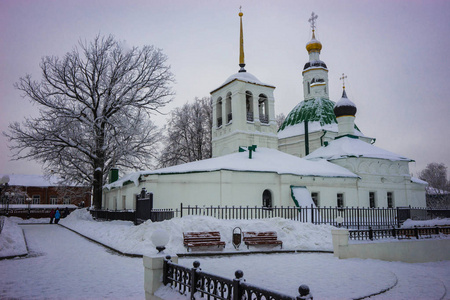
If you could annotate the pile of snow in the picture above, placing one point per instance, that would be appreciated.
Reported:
(128, 238)
(426, 223)
(12, 242)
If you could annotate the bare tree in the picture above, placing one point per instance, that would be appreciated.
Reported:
(95, 105)
(438, 190)
(280, 119)
(188, 134)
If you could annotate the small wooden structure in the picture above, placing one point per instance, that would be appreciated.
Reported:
(261, 238)
(202, 238)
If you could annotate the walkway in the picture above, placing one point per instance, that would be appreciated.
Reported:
(63, 265)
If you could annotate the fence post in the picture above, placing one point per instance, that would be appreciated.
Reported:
(304, 292)
(194, 279)
(237, 293)
(370, 233)
(416, 232)
(153, 273)
(181, 209)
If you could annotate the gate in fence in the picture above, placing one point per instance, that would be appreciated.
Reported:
(191, 281)
(144, 206)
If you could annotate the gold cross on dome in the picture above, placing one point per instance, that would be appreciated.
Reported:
(343, 80)
(312, 20)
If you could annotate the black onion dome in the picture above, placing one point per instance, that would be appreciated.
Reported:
(316, 63)
(344, 107)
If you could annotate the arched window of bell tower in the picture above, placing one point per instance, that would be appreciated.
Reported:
(219, 112)
(228, 108)
(249, 105)
(263, 105)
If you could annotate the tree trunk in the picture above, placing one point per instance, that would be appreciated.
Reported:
(97, 188)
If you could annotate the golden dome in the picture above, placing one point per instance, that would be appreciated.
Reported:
(313, 44)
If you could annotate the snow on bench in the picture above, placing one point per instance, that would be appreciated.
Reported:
(261, 238)
(202, 238)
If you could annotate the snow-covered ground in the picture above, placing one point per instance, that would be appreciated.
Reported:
(62, 264)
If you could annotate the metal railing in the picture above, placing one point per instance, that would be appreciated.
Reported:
(193, 281)
(349, 217)
(399, 233)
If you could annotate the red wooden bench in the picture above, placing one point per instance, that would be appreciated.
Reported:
(261, 238)
(202, 238)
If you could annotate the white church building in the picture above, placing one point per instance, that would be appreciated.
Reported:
(318, 156)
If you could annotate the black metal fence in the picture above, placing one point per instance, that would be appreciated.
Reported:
(349, 217)
(194, 282)
(399, 233)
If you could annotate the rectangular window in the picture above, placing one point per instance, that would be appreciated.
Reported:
(36, 199)
(315, 198)
(53, 200)
(124, 202)
(340, 200)
(390, 199)
(372, 200)
(66, 200)
(20, 200)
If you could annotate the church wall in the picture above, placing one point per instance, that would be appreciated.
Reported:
(228, 188)
(295, 145)
(383, 176)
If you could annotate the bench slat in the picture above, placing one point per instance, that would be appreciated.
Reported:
(261, 238)
(202, 238)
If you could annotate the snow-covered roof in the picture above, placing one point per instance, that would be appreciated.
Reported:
(352, 147)
(33, 180)
(245, 77)
(263, 160)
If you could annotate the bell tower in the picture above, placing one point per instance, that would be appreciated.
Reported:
(315, 72)
(243, 111)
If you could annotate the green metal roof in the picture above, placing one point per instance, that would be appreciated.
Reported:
(317, 109)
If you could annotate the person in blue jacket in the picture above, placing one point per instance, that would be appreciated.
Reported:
(57, 215)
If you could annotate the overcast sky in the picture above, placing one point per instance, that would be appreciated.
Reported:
(395, 54)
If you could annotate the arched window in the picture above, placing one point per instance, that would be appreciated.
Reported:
(249, 105)
(309, 87)
(228, 108)
(219, 112)
(263, 104)
(267, 198)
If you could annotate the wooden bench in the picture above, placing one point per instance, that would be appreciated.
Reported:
(261, 238)
(202, 238)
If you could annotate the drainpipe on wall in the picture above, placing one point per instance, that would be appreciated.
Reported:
(306, 138)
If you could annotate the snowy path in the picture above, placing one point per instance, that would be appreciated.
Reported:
(63, 265)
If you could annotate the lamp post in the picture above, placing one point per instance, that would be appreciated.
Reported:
(339, 221)
(28, 200)
(8, 197)
(160, 238)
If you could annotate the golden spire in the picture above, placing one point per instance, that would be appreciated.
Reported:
(241, 45)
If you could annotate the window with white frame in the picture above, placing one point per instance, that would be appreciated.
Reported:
(390, 199)
(53, 200)
(315, 198)
(66, 200)
(372, 201)
(36, 199)
(340, 200)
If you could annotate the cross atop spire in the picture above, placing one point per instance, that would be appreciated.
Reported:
(343, 80)
(312, 20)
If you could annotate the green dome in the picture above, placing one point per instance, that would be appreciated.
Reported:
(314, 110)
